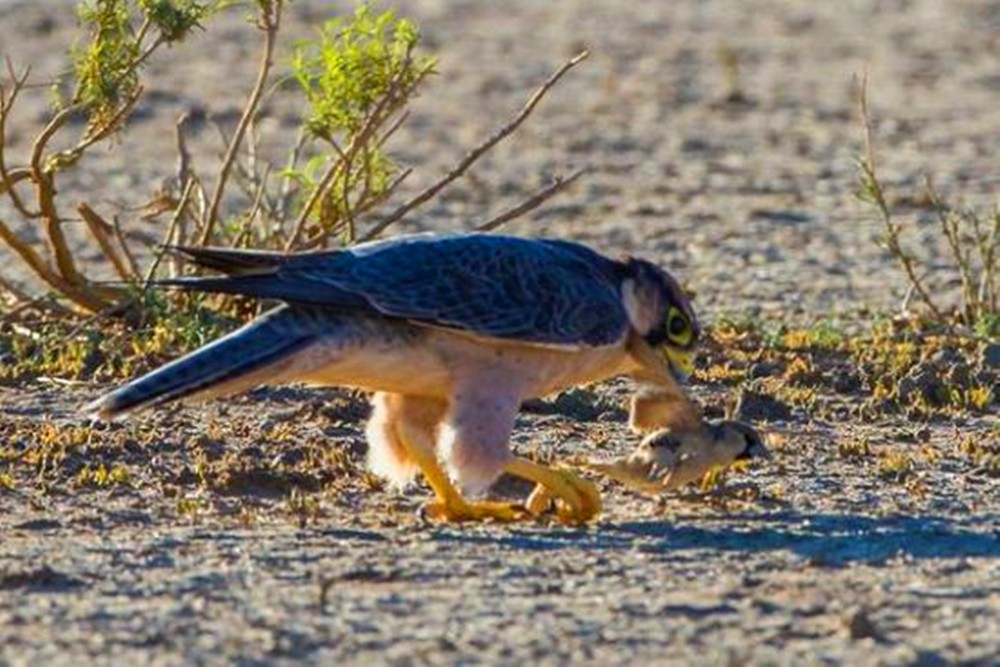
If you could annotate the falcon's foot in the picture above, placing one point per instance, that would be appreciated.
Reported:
(577, 499)
(449, 505)
(457, 509)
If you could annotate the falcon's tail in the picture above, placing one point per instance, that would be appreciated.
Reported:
(255, 354)
(233, 262)
(254, 273)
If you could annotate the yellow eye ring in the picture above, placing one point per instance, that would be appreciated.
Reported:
(679, 329)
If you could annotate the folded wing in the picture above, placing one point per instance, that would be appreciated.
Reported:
(544, 292)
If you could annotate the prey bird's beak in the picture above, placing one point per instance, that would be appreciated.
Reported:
(759, 450)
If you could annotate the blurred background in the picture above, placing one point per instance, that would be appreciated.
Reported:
(721, 136)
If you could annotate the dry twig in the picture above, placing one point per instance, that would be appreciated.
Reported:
(103, 233)
(472, 156)
(532, 202)
(872, 189)
(169, 238)
(270, 21)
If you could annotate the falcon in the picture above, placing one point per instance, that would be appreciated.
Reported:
(451, 333)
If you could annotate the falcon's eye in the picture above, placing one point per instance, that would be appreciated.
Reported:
(678, 328)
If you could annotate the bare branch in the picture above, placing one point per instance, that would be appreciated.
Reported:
(531, 203)
(317, 239)
(45, 193)
(167, 238)
(42, 269)
(255, 208)
(951, 230)
(45, 196)
(988, 286)
(317, 193)
(102, 233)
(13, 178)
(183, 154)
(105, 130)
(8, 179)
(288, 183)
(270, 21)
(7, 183)
(396, 124)
(476, 152)
(43, 138)
(133, 265)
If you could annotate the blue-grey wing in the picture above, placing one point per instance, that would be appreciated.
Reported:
(546, 292)
(534, 291)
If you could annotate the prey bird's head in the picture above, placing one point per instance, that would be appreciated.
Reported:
(661, 314)
(739, 440)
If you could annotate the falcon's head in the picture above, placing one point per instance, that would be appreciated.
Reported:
(661, 314)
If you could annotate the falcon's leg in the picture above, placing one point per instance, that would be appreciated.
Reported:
(415, 421)
(578, 500)
(388, 457)
(474, 443)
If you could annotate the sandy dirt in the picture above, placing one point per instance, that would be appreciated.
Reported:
(204, 553)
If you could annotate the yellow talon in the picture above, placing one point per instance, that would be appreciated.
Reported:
(577, 499)
(539, 501)
(449, 505)
(473, 511)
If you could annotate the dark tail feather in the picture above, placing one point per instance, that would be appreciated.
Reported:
(233, 262)
(268, 286)
(262, 275)
(233, 362)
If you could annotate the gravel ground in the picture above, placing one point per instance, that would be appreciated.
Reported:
(824, 562)
(749, 199)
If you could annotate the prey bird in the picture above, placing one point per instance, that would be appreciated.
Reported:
(670, 458)
(680, 447)
(451, 333)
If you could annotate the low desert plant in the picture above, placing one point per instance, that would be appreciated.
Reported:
(973, 239)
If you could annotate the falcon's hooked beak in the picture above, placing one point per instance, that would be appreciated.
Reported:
(681, 361)
(664, 365)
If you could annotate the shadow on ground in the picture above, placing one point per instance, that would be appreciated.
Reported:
(824, 539)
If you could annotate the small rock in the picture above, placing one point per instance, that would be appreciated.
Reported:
(922, 382)
(757, 406)
(990, 356)
(578, 403)
(694, 145)
(38, 524)
(41, 578)
(859, 625)
(763, 369)
(780, 216)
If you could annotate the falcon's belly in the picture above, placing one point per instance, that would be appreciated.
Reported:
(417, 361)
